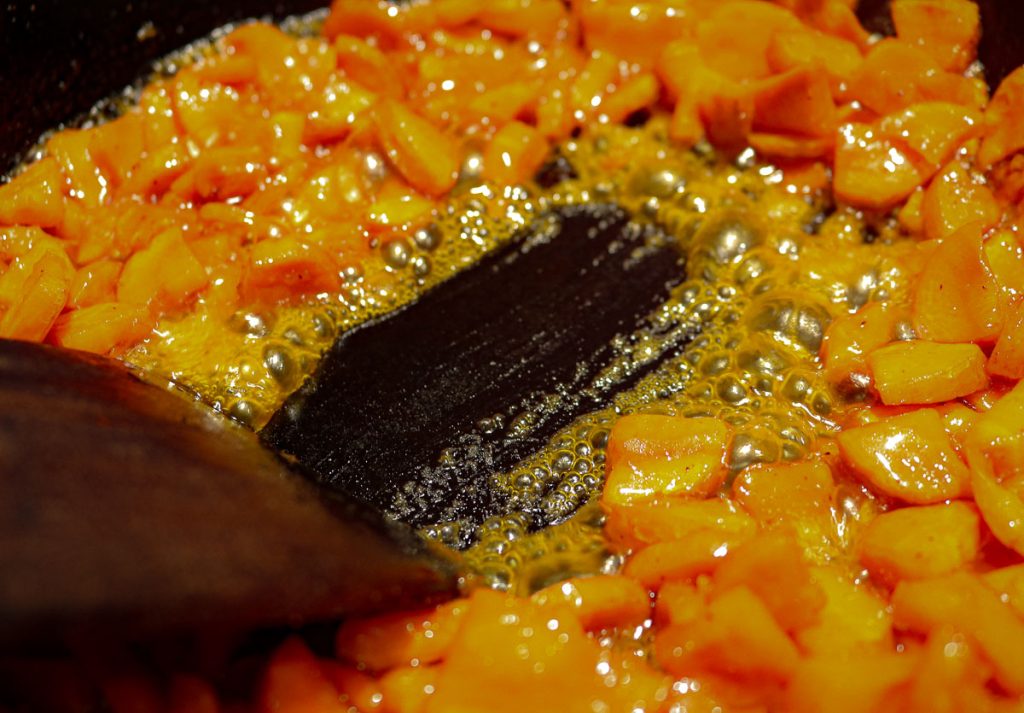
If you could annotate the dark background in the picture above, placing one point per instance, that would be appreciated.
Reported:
(59, 57)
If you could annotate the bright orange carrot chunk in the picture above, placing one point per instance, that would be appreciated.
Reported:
(294, 682)
(514, 154)
(957, 298)
(954, 199)
(644, 523)
(934, 130)
(284, 268)
(773, 567)
(698, 553)
(921, 542)
(736, 636)
(652, 455)
(787, 493)
(636, 93)
(838, 57)
(382, 642)
(1005, 258)
(796, 102)
(94, 283)
(405, 690)
(830, 684)
(920, 372)
(426, 158)
(165, 273)
(600, 602)
(735, 37)
(102, 327)
(872, 170)
(856, 617)
(851, 337)
(34, 197)
(948, 30)
(1007, 358)
(1004, 121)
(907, 457)
(964, 602)
(996, 441)
(355, 688)
(897, 74)
(41, 297)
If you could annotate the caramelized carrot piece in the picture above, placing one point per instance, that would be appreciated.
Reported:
(356, 689)
(592, 83)
(855, 617)
(698, 553)
(94, 283)
(907, 457)
(957, 298)
(71, 148)
(736, 636)
(228, 172)
(294, 682)
(964, 602)
(636, 37)
(836, 18)
(1009, 584)
(791, 147)
(406, 690)
(651, 455)
(919, 372)
(645, 523)
(284, 268)
(426, 158)
(389, 640)
(503, 104)
(679, 602)
(514, 154)
(851, 337)
(797, 48)
(1004, 117)
(772, 566)
(367, 65)
(735, 37)
(117, 146)
(340, 108)
(872, 170)
(165, 274)
(102, 327)
(830, 684)
(921, 542)
(634, 94)
(954, 199)
(601, 601)
(796, 102)
(1001, 502)
(786, 493)
(1007, 358)
(948, 30)
(35, 196)
(996, 441)
(896, 74)
(1005, 259)
(726, 110)
(934, 130)
(42, 296)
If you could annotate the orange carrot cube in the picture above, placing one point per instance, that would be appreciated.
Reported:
(389, 640)
(427, 158)
(601, 601)
(42, 295)
(920, 372)
(796, 48)
(699, 553)
(796, 102)
(164, 274)
(102, 327)
(35, 196)
(954, 199)
(907, 457)
(644, 523)
(872, 170)
(294, 682)
(851, 337)
(934, 130)
(787, 493)
(514, 154)
(1007, 358)
(831, 684)
(948, 30)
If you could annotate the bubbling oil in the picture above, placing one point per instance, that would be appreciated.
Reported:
(768, 267)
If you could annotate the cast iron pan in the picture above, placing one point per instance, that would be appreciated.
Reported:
(56, 60)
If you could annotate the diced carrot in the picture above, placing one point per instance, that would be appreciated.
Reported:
(511, 655)
(94, 283)
(634, 94)
(389, 640)
(948, 30)
(514, 154)
(726, 110)
(355, 688)
(117, 145)
(796, 48)
(367, 65)
(830, 684)
(736, 636)
(897, 74)
(855, 617)
(786, 493)
(791, 147)
(1007, 358)
(35, 196)
(964, 602)
(678, 65)
(851, 337)
(426, 158)
(772, 566)
(698, 553)
(405, 690)
(165, 274)
(679, 602)
(996, 441)
(934, 130)
(157, 170)
(872, 170)
(921, 542)
(1004, 120)
(523, 18)
(920, 372)
(636, 37)
(501, 105)
(41, 298)
(798, 101)
(909, 216)
(734, 38)
(364, 18)
(102, 327)
(1001, 502)
(1005, 258)
(652, 455)
(645, 523)
(593, 82)
(957, 298)
(340, 106)
(958, 420)
(284, 268)
(294, 682)
(601, 601)
(907, 457)
(1008, 582)
(836, 18)
(228, 172)
(954, 199)
(71, 148)
(553, 114)
(402, 210)
(190, 694)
